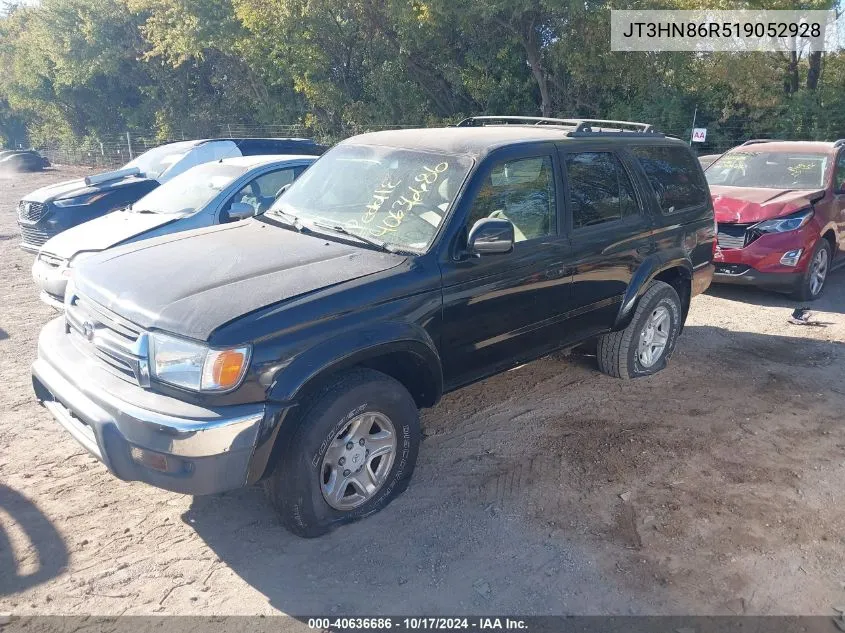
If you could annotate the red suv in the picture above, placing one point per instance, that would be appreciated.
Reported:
(780, 210)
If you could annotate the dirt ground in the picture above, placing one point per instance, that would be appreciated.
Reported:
(712, 488)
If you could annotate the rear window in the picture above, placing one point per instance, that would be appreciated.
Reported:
(675, 177)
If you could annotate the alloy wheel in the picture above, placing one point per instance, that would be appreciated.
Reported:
(818, 271)
(358, 460)
(654, 337)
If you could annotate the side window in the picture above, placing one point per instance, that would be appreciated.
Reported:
(522, 191)
(600, 189)
(674, 176)
(839, 177)
(261, 192)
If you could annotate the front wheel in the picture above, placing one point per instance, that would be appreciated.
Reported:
(644, 347)
(352, 453)
(811, 285)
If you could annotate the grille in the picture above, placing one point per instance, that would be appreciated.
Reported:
(36, 236)
(732, 235)
(118, 344)
(51, 260)
(732, 269)
(31, 211)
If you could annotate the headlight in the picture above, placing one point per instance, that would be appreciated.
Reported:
(195, 366)
(786, 223)
(78, 201)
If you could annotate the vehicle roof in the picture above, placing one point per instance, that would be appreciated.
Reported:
(201, 141)
(264, 159)
(285, 139)
(787, 146)
(478, 140)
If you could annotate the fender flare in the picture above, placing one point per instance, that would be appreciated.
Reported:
(353, 348)
(650, 268)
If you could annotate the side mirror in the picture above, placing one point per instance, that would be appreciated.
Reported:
(491, 236)
(238, 211)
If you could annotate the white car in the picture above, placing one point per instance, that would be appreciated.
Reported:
(227, 190)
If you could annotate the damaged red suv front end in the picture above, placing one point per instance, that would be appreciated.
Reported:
(779, 211)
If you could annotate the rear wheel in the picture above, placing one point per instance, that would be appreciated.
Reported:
(644, 347)
(811, 285)
(352, 453)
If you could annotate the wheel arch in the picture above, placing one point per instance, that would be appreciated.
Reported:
(677, 272)
(403, 352)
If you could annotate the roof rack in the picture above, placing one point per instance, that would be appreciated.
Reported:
(580, 127)
(839, 143)
(754, 141)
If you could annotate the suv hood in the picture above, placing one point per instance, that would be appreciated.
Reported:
(191, 283)
(73, 188)
(104, 232)
(748, 205)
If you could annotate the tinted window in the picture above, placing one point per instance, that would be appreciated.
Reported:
(674, 176)
(599, 189)
(523, 192)
(261, 192)
(839, 178)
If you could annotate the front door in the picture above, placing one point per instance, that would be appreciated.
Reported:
(500, 310)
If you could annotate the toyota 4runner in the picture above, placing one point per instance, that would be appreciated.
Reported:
(296, 348)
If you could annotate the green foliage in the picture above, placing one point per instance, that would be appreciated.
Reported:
(82, 71)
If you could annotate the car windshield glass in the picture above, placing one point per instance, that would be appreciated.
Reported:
(775, 170)
(155, 162)
(190, 191)
(396, 196)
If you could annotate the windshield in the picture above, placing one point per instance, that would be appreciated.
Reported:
(190, 191)
(775, 170)
(397, 196)
(158, 160)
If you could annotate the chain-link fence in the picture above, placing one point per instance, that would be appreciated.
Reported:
(117, 150)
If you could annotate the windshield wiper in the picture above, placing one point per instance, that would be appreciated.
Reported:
(338, 228)
(288, 218)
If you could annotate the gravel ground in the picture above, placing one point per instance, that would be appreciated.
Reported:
(712, 488)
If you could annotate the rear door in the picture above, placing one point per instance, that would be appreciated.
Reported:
(610, 231)
(684, 214)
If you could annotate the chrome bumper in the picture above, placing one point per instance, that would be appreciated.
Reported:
(205, 450)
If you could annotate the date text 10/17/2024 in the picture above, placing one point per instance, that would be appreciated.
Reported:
(417, 624)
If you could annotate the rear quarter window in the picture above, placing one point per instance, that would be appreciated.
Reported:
(674, 176)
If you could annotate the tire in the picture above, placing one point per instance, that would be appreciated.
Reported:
(807, 289)
(305, 478)
(618, 352)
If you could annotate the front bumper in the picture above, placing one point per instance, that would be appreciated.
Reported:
(205, 450)
(743, 275)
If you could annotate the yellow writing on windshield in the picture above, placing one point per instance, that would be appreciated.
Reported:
(411, 198)
(380, 196)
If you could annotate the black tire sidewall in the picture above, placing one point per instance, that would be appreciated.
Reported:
(667, 297)
(302, 500)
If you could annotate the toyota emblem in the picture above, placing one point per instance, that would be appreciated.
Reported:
(88, 330)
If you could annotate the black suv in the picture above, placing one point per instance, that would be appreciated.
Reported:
(297, 347)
